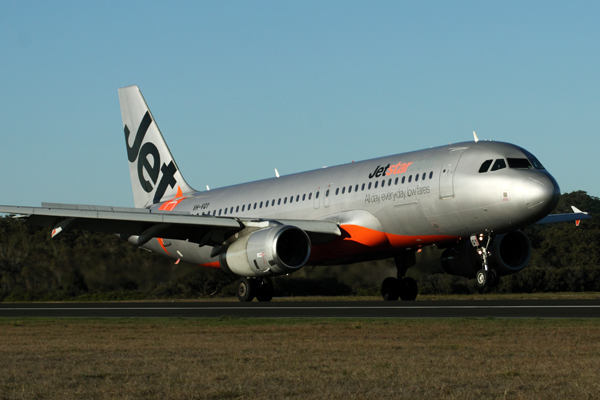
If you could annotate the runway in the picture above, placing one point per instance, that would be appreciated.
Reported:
(318, 309)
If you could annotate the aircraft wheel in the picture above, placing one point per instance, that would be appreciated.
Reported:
(390, 289)
(494, 279)
(265, 290)
(246, 289)
(409, 289)
(482, 278)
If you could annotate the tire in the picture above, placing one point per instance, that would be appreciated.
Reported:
(493, 278)
(245, 290)
(482, 278)
(390, 289)
(265, 290)
(409, 289)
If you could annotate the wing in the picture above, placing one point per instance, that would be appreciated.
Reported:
(144, 224)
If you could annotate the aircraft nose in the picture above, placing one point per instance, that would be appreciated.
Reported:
(540, 193)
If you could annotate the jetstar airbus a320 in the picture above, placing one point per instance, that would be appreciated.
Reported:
(470, 199)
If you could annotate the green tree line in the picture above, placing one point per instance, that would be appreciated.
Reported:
(95, 266)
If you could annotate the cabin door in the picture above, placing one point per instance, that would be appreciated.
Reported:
(447, 173)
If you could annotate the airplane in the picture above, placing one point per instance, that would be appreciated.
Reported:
(471, 199)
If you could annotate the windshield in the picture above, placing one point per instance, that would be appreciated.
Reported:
(534, 161)
(522, 163)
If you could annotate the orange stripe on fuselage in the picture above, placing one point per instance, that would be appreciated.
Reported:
(214, 264)
(356, 240)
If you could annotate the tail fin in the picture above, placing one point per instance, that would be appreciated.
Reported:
(155, 176)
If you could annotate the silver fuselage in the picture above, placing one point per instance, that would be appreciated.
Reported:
(383, 205)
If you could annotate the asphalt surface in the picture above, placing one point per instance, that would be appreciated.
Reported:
(316, 309)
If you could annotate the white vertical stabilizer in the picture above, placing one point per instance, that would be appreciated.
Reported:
(155, 176)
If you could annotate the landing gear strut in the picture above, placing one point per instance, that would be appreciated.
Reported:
(485, 277)
(248, 288)
(401, 287)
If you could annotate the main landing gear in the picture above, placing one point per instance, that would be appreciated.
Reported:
(248, 288)
(485, 277)
(401, 287)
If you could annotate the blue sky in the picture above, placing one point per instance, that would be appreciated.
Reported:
(240, 88)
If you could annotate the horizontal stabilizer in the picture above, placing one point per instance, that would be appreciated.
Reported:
(576, 216)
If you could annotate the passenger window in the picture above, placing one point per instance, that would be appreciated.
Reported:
(304, 197)
(327, 193)
(214, 212)
(261, 203)
(337, 191)
(410, 178)
(356, 188)
(317, 195)
(403, 179)
(310, 195)
(291, 199)
(297, 198)
(266, 203)
(376, 183)
(431, 175)
(416, 177)
(225, 212)
(396, 181)
(237, 209)
(363, 187)
(369, 185)
(344, 190)
(273, 203)
(383, 183)
(485, 166)
(285, 200)
(498, 164)
(220, 211)
(255, 204)
(243, 207)
(231, 211)
(349, 189)
(390, 182)
(424, 175)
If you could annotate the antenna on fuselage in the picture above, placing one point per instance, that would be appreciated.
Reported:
(276, 173)
(207, 188)
(475, 137)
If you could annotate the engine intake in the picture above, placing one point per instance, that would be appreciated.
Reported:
(271, 251)
(510, 253)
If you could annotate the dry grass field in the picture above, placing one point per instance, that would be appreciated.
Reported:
(299, 359)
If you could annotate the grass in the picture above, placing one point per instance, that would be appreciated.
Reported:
(233, 358)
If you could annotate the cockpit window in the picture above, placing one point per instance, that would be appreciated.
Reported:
(498, 164)
(521, 163)
(485, 166)
(534, 161)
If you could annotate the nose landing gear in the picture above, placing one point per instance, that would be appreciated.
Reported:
(485, 277)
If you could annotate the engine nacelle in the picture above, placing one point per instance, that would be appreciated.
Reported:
(510, 253)
(271, 251)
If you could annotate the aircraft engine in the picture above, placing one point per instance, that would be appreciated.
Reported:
(272, 251)
(510, 253)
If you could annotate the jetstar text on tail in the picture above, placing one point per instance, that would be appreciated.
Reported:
(150, 165)
(389, 170)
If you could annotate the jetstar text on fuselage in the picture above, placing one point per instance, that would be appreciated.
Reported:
(389, 170)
